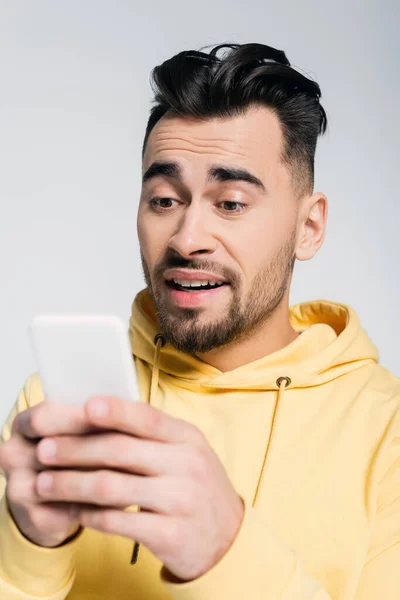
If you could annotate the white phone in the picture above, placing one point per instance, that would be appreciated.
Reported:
(79, 356)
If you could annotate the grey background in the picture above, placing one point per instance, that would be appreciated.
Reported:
(74, 98)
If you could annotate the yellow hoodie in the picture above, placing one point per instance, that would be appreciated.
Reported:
(310, 438)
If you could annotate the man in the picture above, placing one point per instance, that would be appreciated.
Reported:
(265, 456)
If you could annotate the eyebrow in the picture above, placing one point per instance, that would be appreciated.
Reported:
(215, 173)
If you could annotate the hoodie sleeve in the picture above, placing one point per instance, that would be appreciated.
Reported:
(260, 566)
(27, 571)
(380, 577)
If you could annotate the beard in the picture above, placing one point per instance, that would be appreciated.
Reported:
(185, 328)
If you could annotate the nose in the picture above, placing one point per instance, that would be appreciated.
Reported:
(193, 234)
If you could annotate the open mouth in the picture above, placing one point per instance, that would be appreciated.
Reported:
(195, 286)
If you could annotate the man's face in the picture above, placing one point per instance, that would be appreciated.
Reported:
(201, 224)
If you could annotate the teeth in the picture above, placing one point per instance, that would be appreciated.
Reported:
(194, 283)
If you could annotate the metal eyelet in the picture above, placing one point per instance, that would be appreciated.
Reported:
(280, 379)
(160, 336)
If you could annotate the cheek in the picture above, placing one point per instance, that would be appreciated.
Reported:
(152, 237)
(252, 246)
(255, 256)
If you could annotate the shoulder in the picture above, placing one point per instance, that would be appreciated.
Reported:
(384, 388)
(377, 389)
(382, 393)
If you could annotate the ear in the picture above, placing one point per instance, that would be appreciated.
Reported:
(312, 226)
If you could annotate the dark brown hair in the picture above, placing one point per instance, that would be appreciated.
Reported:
(199, 85)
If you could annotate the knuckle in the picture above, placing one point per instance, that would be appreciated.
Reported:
(185, 501)
(17, 453)
(38, 518)
(121, 450)
(151, 419)
(35, 419)
(171, 535)
(105, 520)
(135, 486)
(197, 465)
(17, 489)
(196, 436)
(13, 491)
(104, 486)
(69, 451)
(192, 496)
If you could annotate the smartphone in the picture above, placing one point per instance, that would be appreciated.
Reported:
(79, 356)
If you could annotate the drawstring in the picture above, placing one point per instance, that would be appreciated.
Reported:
(159, 342)
(279, 397)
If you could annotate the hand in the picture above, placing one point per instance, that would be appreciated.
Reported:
(190, 513)
(43, 523)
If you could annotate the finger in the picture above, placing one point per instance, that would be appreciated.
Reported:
(46, 524)
(49, 418)
(19, 453)
(21, 487)
(156, 532)
(106, 488)
(140, 419)
(50, 519)
(112, 450)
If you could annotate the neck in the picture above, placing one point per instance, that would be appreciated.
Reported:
(270, 336)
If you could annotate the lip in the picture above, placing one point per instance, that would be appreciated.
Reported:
(192, 275)
(194, 299)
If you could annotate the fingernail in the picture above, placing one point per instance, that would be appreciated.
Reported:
(45, 482)
(99, 408)
(48, 449)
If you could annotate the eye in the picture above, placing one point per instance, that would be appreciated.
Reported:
(161, 204)
(233, 207)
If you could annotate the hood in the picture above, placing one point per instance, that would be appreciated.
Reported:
(332, 343)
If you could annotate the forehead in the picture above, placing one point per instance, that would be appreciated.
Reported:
(253, 140)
